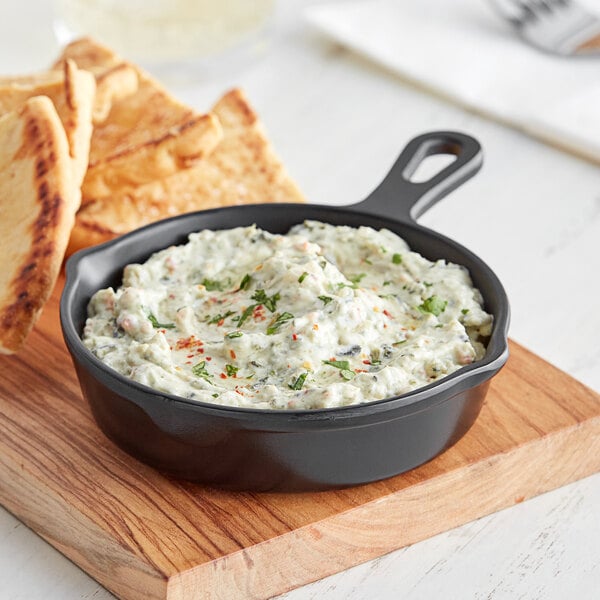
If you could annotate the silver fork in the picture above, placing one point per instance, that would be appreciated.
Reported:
(557, 26)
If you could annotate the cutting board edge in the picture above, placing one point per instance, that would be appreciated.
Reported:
(37, 503)
(257, 567)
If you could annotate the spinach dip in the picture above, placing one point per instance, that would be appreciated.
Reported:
(321, 317)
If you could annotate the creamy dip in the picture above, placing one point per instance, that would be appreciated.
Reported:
(324, 316)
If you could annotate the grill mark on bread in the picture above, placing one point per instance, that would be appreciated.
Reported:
(68, 69)
(43, 149)
(173, 132)
(33, 275)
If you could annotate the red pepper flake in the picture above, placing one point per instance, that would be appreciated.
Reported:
(220, 322)
(200, 351)
(223, 376)
(190, 356)
(209, 358)
(258, 313)
(232, 353)
(188, 343)
(366, 362)
(294, 337)
(360, 371)
(387, 314)
(188, 362)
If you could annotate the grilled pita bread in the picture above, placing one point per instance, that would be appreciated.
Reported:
(38, 201)
(72, 92)
(112, 85)
(243, 169)
(146, 135)
(115, 79)
(89, 55)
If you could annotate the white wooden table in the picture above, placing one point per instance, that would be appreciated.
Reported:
(533, 213)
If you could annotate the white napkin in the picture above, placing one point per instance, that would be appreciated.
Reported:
(462, 50)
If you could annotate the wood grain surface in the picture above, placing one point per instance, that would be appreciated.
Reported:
(143, 535)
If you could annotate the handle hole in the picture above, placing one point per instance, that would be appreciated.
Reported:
(430, 166)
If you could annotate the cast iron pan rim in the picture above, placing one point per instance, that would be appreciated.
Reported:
(414, 401)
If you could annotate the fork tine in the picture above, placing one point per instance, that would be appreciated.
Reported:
(537, 8)
(516, 12)
(558, 26)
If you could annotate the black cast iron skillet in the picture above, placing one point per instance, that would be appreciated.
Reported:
(251, 449)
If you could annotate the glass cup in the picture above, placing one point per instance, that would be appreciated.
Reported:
(160, 33)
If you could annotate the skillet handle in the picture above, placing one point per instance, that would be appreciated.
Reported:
(399, 197)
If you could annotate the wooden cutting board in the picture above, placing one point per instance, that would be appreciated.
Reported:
(144, 536)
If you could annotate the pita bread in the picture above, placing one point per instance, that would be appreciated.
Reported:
(72, 92)
(38, 201)
(146, 135)
(243, 169)
(115, 79)
(112, 85)
(89, 55)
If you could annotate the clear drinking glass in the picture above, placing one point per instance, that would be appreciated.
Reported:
(158, 33)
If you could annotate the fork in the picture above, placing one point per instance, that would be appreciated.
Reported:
(556, 26)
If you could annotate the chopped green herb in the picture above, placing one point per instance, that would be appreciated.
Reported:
(434, 305)
(369, 262)
(326, 299)
(302, 277)
(297, 385)
(439, 325)
(212, 284)
(397, 258)
(269, 302)
(279, 321)
(199, 370)
(427, 284)
(158, 325)
(234, 334)
(220, 317)
(246, 314)
(260, 296)
(231, 370)
(343, 366)
(387, 282)
(398, 343)
(338, 364)
(383, 249)
(464, 311)
(215, 395)
(357, 278)
(245, 283)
